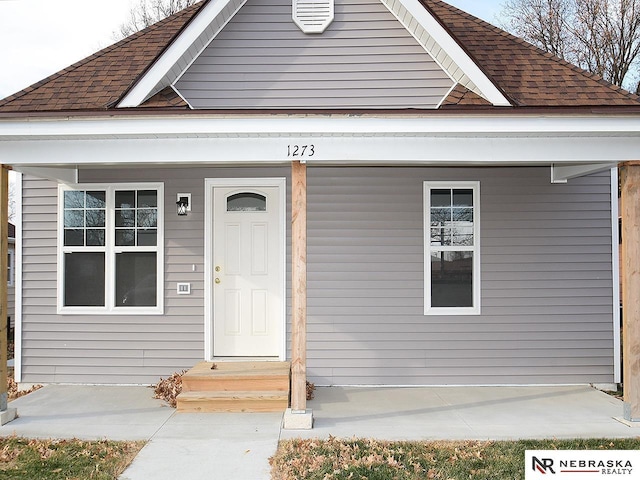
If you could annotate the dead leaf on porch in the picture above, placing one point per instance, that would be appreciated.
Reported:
(13, 391)
(214, 366)
(310, 389)
(168, 389)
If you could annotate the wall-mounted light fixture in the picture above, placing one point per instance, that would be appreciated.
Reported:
(184, 203)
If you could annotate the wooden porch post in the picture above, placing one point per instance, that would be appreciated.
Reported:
(6, 414)
(630, 211)
(298, 417)
(299, 287)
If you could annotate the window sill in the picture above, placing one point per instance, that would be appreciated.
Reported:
(451, 311)
(112, 311)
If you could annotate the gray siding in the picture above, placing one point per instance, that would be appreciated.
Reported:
(546, 284)
(365, 59)
(546, 281)
(111, 348)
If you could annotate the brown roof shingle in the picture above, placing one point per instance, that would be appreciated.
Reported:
(165, 98)
(99, 81)
(527, 75)
(462, 96)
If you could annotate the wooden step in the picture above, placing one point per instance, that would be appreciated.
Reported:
(248, 401)
(235, 387)
(237, 376)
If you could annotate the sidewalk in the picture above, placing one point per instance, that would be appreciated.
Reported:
(237, 446)
(231, 445)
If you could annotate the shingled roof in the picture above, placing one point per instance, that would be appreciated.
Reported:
(98, 81)
(527, 76)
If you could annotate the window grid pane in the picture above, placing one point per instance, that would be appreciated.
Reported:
(136, 279)
(452, 211)
(136, 218)
(84, 279)
(451, 279)
(84, 214)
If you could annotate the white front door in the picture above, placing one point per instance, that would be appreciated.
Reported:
(248, 303)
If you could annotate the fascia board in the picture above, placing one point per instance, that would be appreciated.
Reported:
(457, 54)
(172, 55)
(204, 126)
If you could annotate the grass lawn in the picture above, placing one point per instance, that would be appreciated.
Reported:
(362, 459)
(27, 459)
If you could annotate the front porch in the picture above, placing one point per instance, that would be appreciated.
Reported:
(235, 445)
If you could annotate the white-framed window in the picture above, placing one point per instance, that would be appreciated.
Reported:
(452, 248)
(111, 249)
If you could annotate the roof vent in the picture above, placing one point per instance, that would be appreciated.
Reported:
(312, 16)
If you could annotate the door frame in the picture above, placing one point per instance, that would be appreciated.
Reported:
(209, 185)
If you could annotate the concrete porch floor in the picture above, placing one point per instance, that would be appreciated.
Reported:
(238, 445)
(130, 413)
(465, 413)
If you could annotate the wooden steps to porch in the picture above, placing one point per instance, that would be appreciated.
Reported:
(235, 387)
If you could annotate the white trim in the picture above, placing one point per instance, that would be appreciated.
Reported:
(460, 58)
(17, 335)
(165, 62)
(442, 100)
(208, 269)
(111, 250)
(476, 279)
(210, 184)
(563, 173)
(222, 18)
(148, 83)
(431, 47)
(615, 259)
(505, 140)
(227, 126)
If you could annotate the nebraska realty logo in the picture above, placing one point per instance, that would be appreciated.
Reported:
(581, 464)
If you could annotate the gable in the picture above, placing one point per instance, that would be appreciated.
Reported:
(491, 67)
(364, 59)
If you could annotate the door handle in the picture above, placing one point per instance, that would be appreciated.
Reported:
(217, 280)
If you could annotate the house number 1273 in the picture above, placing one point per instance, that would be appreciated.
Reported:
(301, 150)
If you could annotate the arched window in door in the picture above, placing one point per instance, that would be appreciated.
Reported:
(246, 202)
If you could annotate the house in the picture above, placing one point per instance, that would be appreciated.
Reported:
(384, 192)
